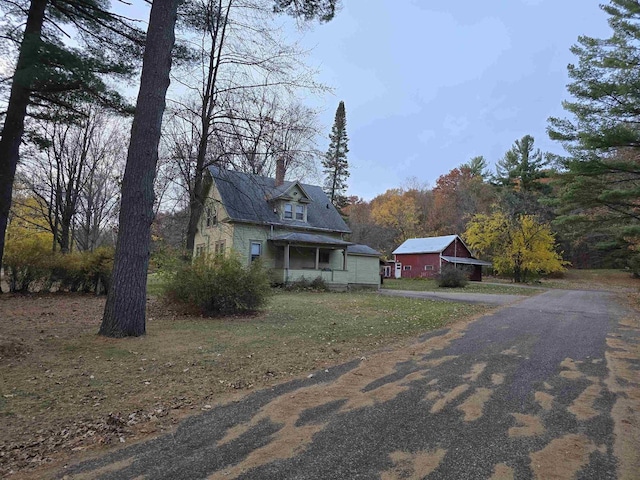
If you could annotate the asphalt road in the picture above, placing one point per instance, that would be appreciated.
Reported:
(522, 393)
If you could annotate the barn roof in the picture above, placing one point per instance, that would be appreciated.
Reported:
(426, 245)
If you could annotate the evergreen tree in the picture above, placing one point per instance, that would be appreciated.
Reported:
(336, 167)
(602, 178)
(521, 166)
(50, 74)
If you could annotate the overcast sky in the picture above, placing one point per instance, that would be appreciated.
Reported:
(427, 85)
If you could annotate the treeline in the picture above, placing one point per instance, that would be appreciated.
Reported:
(525, 195)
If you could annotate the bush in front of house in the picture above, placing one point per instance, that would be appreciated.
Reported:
(452, 277)
(305, 285)
(220, 285)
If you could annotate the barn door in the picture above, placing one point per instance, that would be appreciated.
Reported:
(398, 270)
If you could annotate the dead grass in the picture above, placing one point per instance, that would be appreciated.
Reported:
(608, 280)
(429, 285)
(65, 390)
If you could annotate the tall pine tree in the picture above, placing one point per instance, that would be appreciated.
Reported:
(336, 167)
(601, 190)
(53, 76)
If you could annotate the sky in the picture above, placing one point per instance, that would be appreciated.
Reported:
(428, 85)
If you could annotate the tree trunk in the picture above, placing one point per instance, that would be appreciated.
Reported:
(125, 309)
(17, 110)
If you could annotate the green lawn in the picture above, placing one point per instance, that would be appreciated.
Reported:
(428, 285)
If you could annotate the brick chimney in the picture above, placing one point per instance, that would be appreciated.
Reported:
(280, 171)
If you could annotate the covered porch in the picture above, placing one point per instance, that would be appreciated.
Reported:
(310, 256)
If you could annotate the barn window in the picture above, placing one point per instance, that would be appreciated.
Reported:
(407, 267)
(428, 267)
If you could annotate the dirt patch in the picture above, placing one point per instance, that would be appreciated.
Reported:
(570, 364)
(413, 465)
(510, 351)
(528, 426)
(571, 374)
(432, 395)
(449, 397)
(473, 405)
(12, 348)
(562, 458)
(502, 472)
(582, 407)
(624, 381)
(544, 400)
(476, 371)
(289, 442)
(497, 378)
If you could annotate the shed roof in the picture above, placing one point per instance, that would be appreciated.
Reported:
(466, 261)
(246, 199)
(362, 250)
(426, 245)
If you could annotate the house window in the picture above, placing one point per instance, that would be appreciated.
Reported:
(428, 267)
(299, 212)
(288, 210)
(200, 250)
(256, 250)
(323, 256)
(212, 218)
(407, 267)
(218, 248)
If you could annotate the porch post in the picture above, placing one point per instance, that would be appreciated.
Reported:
(286, 256)
(344, 259)
(317, 258)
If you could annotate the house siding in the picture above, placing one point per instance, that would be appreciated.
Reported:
(221, 231)
(363, 270)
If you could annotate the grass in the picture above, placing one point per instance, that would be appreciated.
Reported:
(65, 389)
(429, 285)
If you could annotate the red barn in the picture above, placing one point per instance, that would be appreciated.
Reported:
(425, 257)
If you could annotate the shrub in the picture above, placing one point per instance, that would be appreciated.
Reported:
(220, 285)
(34, 267)
(303, 284)
(27, 262)
(452, 277)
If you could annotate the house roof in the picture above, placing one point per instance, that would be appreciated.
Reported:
(426, 245)
(466, 261)
(362, 250)
(310, 238)
(247, 198)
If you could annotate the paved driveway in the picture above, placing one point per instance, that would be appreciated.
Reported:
(526, 392)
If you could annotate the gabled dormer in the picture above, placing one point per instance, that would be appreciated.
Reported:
(290, 202)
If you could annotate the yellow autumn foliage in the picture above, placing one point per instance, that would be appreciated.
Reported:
(518, 246)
